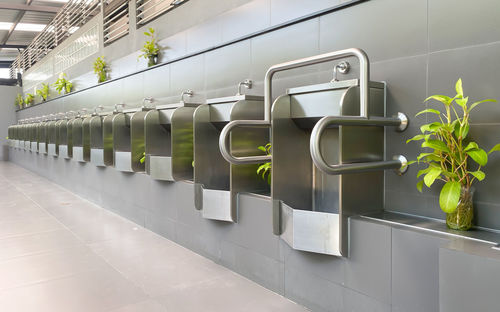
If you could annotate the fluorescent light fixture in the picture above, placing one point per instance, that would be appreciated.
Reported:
(23, 26)
(30, 27)
(5, 73)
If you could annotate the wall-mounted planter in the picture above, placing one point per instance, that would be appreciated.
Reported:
(217, 183)
(65, 129)
(169, 141)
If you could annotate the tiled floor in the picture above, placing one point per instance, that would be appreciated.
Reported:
(59, 252)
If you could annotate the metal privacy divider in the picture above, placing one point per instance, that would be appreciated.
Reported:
(169, 139)
(313, 201)
(80, 154)
(66, 136)
(217, 183)
(95, 137)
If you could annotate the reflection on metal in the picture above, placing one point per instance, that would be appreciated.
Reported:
(80, 153)
(217, 183)
(65, 129)
(53, 138)
(96, 138)
(169, 140)
(341, 122)
(122, 156)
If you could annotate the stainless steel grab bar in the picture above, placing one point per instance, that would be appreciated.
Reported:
(399, 162)
(364, 77)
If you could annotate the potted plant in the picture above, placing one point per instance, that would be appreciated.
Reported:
(264, 170)
(150, 50)
(44, 92)
(63, 84)
(19, 101)
(100, 69)
(29, 99)
(452, 157)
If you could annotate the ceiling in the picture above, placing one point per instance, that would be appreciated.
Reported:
(21, 21)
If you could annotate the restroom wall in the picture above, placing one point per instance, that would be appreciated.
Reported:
(411, 47)
(7, 116)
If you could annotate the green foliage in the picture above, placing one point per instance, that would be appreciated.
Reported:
(100, 69)
(264, 170)
(150, 49)
(452, 156)
(62, 84)
(44, 92)
(143, 158)
(29, 99)
(19, 101)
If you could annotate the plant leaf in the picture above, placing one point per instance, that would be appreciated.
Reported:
(420, 184)
(418, 137)
(429, 110)
(479, 156)
(262, 148)
(479, 102)
(495, 148)
(441, 98)
(471, 146)
(459, 88)
(421, 172)
(462, 102)
(437, 145)
(449, 196)
(479, 175)
(431, 176)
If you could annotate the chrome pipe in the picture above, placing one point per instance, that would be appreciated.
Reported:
(364, 76)
(399, 162)
(224, 142)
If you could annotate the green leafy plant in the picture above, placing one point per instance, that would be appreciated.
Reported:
(19, 101)
(44, 92)
(63, 84)
(143, 158)
(150, 50)
(264, 170)
(29, 99)
(100, 69)
(453, 157)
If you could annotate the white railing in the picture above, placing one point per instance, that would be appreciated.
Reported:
(70, 18)
(147, 10)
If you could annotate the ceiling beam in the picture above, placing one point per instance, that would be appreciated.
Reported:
(13, 46)
(18, 18)
(25, 7)
(5, 64)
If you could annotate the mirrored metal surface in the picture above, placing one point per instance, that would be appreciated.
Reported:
(217, 183)
(96, 141)
(53, 138)
(311, 208)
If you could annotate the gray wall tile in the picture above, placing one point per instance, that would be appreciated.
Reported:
(285, 10)
(415, 271)
(227, 67)
(365, 27)
(482, 24)
(248, 18)
(368, 269)
(467, 282)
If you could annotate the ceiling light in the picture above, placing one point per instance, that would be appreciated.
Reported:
(5, 26)
(30, 27)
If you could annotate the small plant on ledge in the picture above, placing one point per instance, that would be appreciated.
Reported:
(453, 158)
(19, 101)
(264, 170)
(44, 92)
(29, 100)
(63, 84)
(150, 50)
(100, 69)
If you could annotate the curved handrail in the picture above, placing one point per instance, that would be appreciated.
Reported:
(364, 77)
(399, 162)
(224, 142)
